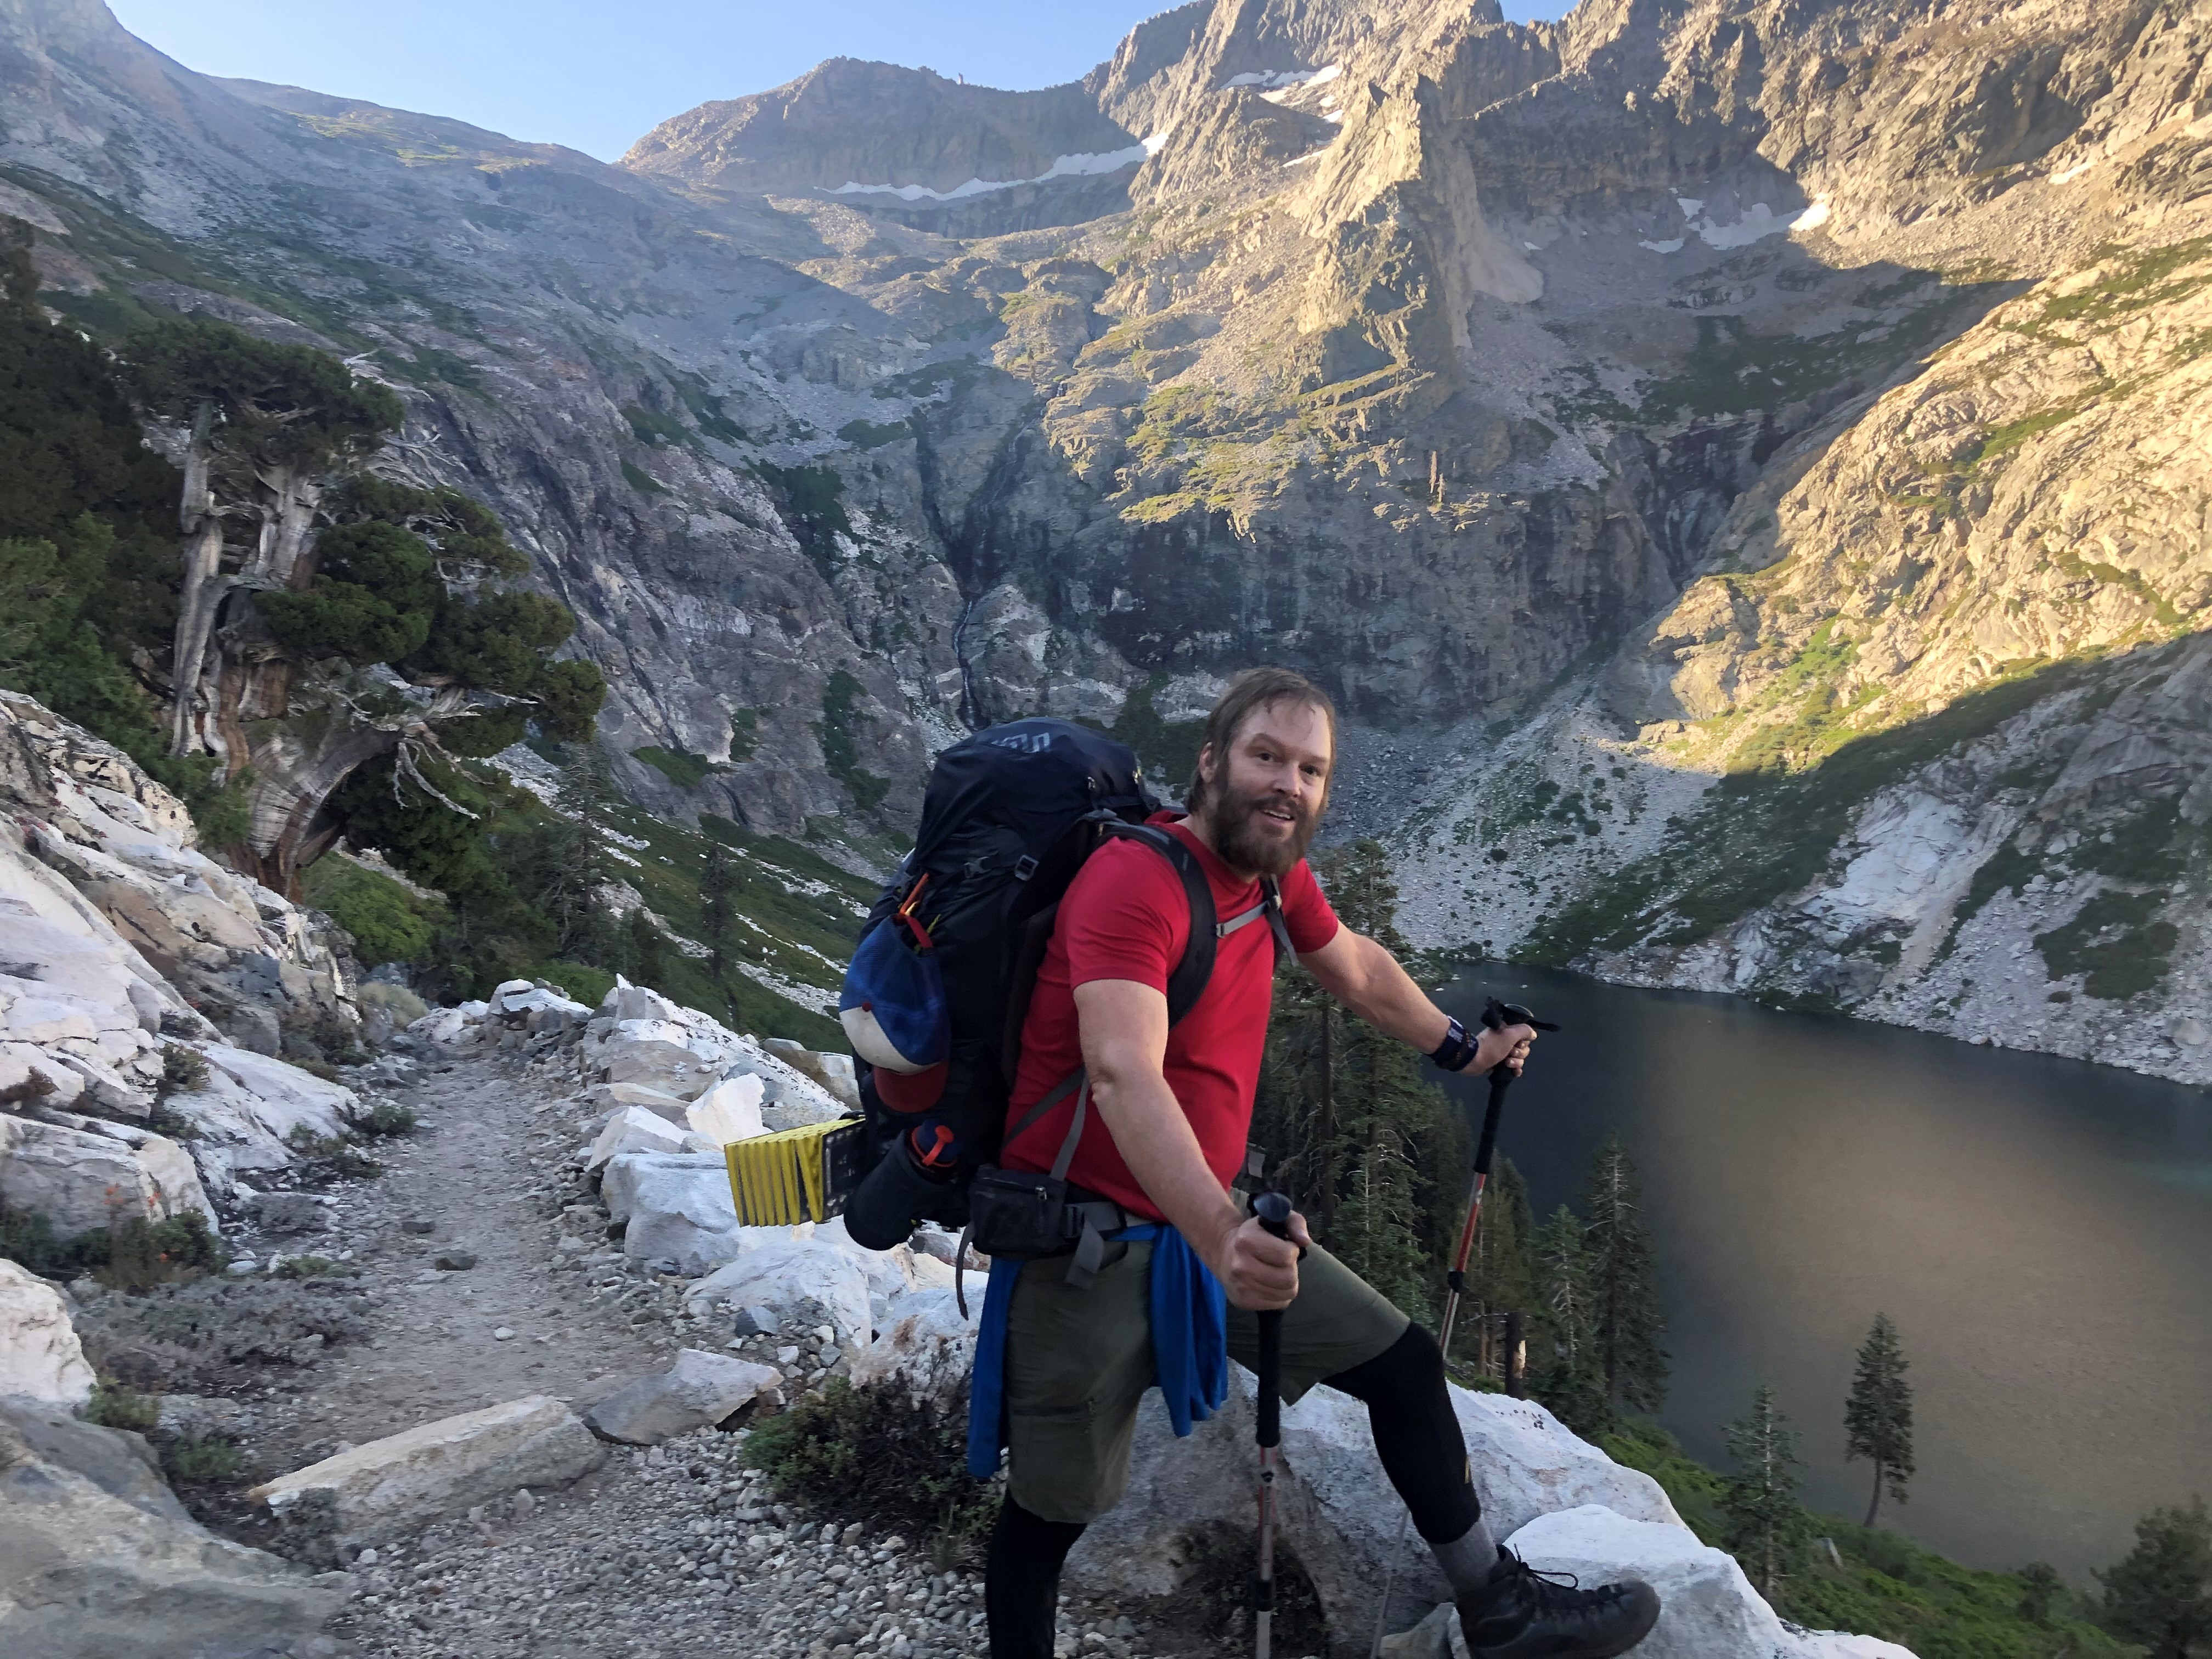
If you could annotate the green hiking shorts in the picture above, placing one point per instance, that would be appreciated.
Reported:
(1078, 1362)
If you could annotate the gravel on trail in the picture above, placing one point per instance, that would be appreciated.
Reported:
(664, 1552)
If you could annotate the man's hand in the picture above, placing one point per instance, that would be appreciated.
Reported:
(1508, 1046)
(1259, 1270)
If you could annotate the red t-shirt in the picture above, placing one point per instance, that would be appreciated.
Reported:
(1126, 916)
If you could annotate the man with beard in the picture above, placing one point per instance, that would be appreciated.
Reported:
(1155, 1123)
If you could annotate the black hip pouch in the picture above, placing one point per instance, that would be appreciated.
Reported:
(1019, 1213)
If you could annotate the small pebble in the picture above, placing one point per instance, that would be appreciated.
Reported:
(504, 1333)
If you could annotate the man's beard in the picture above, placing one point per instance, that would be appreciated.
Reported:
(1244, 845)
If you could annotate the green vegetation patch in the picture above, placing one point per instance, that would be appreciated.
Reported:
(2139, 282)
(132, 1253)
(874, 434)
(2115, 944)
(840, 752)
(1880, 1583)
(1760, 834)
(388, 923)
(1171, 745)
(876, 1456)
(641, 481)
(745, 733)
(680, 766)
(811, 500)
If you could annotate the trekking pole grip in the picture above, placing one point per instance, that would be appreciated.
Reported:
(1486, 1149)
(1272, 1210)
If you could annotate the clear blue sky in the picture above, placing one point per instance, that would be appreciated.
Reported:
(595, 75)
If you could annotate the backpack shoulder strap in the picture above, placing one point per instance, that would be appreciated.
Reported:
(1189, 981)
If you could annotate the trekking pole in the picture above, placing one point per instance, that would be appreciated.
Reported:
(1496, 1016)
(1274, 1210)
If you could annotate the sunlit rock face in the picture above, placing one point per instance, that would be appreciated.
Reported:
(1593, 407)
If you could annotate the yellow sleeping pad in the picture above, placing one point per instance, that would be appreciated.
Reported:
(792, 1175)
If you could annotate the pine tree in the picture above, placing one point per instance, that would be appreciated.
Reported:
(718, 912)
(1502, 1274)
(1766, 1523)
(1878, 1417)
(2041, 1590)
(2160, 1593)
(1377, 1225)
(644, 949)
(1624, 1305)
(580, 859)
(1572, 1383)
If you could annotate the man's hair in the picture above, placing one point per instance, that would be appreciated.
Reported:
(1254, 689)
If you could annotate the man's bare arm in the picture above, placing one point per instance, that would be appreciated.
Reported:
(1125, 1035)
(1369, 981)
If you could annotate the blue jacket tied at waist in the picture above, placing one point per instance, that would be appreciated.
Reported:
(1190, 1342)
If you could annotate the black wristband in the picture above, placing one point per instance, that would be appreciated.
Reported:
(1456, 1052)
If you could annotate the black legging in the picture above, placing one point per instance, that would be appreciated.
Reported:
(1416, 1435)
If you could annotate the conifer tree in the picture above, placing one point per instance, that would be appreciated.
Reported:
(1878, 1417)
(581, 859)
(2160, 1593)
(1766, 1523)
(2041, 1589)
(1624, 1303)
(717, 913)
(645, 950)
(1502, 1274)
(1572, 1383)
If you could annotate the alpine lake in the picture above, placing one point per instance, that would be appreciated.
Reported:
(2039, 1228)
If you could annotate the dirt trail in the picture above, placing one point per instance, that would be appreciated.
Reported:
(482, 1174)
(676, 1552)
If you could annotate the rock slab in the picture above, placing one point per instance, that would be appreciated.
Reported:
(433, 1470)
(97, 1558)
(699, 1389)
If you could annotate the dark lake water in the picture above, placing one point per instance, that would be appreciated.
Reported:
(2039, 1228)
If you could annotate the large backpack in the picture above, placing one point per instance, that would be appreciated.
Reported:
(1009, 816)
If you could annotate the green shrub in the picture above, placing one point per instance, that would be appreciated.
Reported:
(402, 1004)
(112, 1405)
(141, 1254)
(386, 1117)
(208, 1459)
(325, 1159)
(184, 1071)
(131, 1252)
(872, 1455)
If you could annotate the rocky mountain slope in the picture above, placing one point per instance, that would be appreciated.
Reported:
(1597, 407)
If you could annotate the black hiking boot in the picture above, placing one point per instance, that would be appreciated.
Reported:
(1522, 1613)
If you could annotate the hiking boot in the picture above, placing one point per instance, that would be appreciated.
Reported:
(1522, 1613)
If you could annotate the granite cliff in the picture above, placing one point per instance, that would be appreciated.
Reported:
(1742, 461)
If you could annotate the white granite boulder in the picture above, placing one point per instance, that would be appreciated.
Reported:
(1340, 1513)
(730, 1111)
(41, 1358)
(802, 1281)
(676, 1208)
(82, 1178)
(925, 1345)
(433, 1470)
(634, 1129)
(699, 1389)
